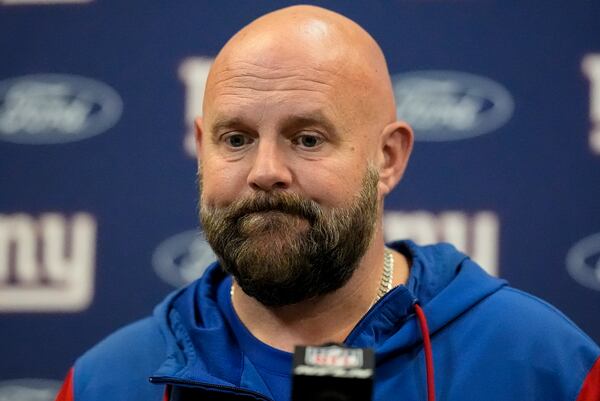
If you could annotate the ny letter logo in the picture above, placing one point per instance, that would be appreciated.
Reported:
(46, 264)
(591, 69)
(193, 72)
(477, 235)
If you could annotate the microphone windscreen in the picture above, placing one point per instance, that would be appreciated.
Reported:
(332, 373)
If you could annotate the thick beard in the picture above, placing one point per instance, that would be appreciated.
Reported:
(283, 249)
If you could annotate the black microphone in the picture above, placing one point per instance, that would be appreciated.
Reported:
(332, 372)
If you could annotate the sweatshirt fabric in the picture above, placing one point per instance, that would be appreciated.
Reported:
(489, 340)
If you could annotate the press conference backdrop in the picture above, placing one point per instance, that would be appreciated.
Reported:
(98, 218)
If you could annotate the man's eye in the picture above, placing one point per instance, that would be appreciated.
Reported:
(308, 141)
(237, 140)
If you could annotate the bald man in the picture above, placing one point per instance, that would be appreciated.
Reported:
(298, 146)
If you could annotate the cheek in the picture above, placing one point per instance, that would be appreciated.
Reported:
(221, 185)
(333, 184)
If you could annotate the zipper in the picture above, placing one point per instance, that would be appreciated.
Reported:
(208, 386)
(349, 340)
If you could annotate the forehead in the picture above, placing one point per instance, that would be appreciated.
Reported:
(249, 83)
(275, 78)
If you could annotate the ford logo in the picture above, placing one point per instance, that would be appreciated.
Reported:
(182, 258)
(47, 109)
(450, 105)
(29, 390)
(583, 262)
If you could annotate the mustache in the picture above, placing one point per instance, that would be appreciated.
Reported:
(290, 203)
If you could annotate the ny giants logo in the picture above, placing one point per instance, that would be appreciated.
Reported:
(476, 234)
(591, 69)
(193, 72)
(46, 264)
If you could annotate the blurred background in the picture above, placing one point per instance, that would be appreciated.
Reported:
(98, 217)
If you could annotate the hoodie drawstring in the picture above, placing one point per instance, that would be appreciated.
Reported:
(428, 353)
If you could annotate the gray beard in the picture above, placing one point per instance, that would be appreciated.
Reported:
(283, 249)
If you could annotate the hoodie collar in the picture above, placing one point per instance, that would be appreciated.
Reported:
(201, 346)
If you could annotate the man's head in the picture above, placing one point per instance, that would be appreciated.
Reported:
(298, 145)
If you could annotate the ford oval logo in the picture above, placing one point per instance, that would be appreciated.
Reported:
(583, 262)
(450, 105)
(50, 108)
(29, 390)
(182, 258)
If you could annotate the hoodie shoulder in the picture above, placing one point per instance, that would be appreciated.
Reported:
(536, 316)
(118, 367)
(525, 331)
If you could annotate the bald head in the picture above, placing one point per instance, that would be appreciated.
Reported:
(296, 85)
(303, 38)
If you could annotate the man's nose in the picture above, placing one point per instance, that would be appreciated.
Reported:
(269, 170)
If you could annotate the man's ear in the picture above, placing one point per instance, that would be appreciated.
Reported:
(198, 125)
(396, 144)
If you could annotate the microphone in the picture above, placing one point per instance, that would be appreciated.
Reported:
(332, 372)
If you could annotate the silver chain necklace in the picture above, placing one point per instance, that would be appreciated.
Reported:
(385, 284)
(387, 277)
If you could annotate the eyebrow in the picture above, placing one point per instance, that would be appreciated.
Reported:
(316, 118)
(289, 123)
(227, 122)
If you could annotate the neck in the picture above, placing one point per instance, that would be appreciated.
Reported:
(329, 318)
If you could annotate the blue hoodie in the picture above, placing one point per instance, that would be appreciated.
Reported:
(490, 342)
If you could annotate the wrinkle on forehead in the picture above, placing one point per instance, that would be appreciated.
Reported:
(306, 48)
(243, 76)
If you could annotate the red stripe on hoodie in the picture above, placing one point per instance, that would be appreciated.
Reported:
(590, 391)
(66, 391)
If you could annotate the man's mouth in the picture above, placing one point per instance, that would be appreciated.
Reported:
(270, 220)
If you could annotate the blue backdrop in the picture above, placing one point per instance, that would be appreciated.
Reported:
(98, 217)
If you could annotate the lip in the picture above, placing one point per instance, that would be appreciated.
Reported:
(269, 213)
(274, 220)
